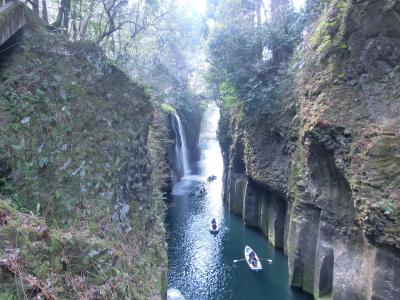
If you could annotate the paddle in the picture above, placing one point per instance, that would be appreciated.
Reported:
(268, 260)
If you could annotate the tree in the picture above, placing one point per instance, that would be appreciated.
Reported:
(239, 42)
(36, 6)
(44, 12)
(62, 19)
(152, 40)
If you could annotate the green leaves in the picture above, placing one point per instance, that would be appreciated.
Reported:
(228, 93)
(43, 162)
(245, 55)
(16, 147)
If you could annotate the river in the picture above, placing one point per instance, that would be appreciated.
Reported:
(201, 264)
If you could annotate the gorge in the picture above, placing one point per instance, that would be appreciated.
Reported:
(114, 113)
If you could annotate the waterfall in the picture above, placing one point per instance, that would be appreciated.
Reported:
(181, 151)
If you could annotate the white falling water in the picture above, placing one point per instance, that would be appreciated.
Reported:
(181, 152)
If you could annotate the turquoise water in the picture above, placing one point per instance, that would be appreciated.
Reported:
(201, 264)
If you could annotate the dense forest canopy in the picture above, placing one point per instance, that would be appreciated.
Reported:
(250, 42)
(156, 42)
(162, 43)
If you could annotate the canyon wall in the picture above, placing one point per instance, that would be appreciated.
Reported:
(82, 156)
(318, 171)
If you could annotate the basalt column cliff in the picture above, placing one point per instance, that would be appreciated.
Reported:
(319, 171)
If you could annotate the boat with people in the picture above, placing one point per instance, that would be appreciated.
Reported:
(199, 189)
(214, 228)
(201, 192)
(252, 259)
(211, 178)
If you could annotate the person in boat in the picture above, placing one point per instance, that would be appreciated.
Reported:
(254, 262)
(212, 177)
(252, 258)
(214, 224)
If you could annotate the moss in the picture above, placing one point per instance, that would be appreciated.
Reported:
(295, 174)
(331, 29)
(167, 108)
(69, 159)
(51, 255)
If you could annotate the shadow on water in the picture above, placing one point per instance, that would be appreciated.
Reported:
(200, 263)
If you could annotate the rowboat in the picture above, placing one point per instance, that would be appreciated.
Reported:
(201, 193)
(174, 294)
(254, 267)
(212, 230)
(211, 178)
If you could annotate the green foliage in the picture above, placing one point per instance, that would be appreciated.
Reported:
(167, 108)
(314, 9)
(246, 56)
(329, 32)
(68, 137)
(43, 162)
(228, 94)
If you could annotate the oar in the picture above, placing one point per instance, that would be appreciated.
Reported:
(236, 260)
(268, 260)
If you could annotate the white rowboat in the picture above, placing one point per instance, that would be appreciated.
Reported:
(174, 294)
(214, 230)
(257, 266)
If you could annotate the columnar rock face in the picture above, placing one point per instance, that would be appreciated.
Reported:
(319, 172)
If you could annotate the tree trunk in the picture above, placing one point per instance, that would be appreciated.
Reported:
(44, 12)
(259, 38)
(58, 21)
(74, 28)
(279, 10)
(85, 24)
(63, 14)
(67, 10)
(258, 12)
(36, 6)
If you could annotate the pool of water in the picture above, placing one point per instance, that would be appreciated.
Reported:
(201, 264)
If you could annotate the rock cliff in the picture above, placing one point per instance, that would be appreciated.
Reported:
(318, 171)
(81, 151)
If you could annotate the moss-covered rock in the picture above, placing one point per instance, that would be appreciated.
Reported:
(329, 149)
(80, 171)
